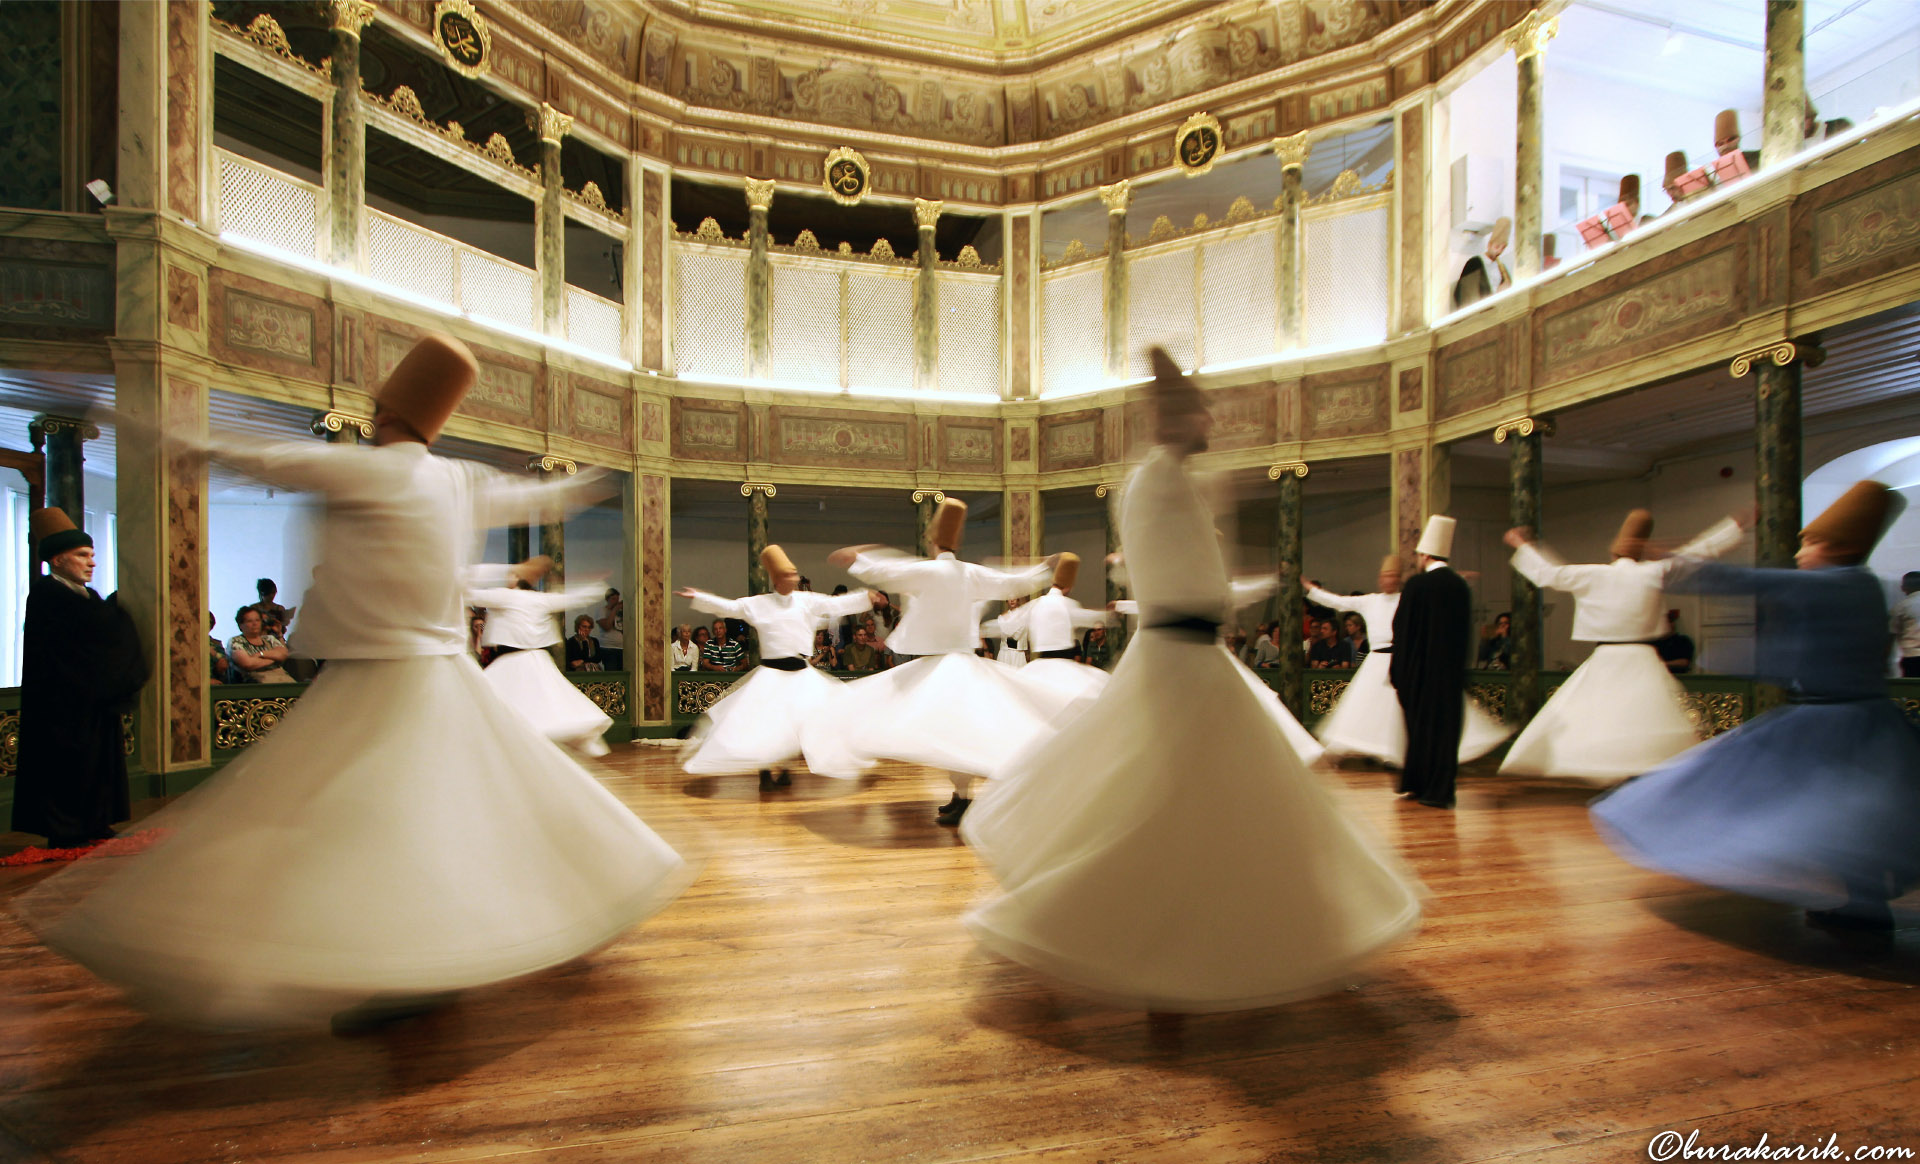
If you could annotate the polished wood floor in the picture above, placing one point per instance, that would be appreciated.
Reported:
(814, 998)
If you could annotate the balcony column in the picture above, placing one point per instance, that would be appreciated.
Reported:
(341, 428)
(1528, 39)
(758, 538)
(1777, 370)
(1784, 104)
(925, 503)
(1524, 485)
(553, 223)
(759, 283)
(553, 524)
(1289, 537)
(1116, 196)
(647, 657)
(347, 147)
(66, 482)
(1116, 590)
(1293, 161)
(1411, 190)
(926, 298)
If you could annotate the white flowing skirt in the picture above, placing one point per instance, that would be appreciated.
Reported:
(958, 711)
(1304, 745)
(1054, 682)
(760, 723)
(400, 833)
(1619, 715)
(1368, 721)
(528, 682)
(1168, 850)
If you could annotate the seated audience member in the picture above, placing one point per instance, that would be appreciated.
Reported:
(476, 630)
(1097, 652)
(1235, 640)
(1674, 648)
(1485, 275)
(613, 631)
(885, 616)
(805, 583)
(1495, 651)
(1906, 625)
(258, 654)
(1266, 652)
(824, 655)
(274, 618)
(701, 637)
(583, 650)
(686, 654)
(861, 654)
(218, 667)
(723, 652)
(1329, 650)
(1357, 644)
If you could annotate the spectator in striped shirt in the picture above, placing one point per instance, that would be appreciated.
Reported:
(723, 652)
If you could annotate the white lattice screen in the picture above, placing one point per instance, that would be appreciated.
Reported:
(593, 322)
(1160, 308)
(496, 289)
(1073, 337)
(969, 334)
(710, 312)
(805, 335)
(272, 208)
(1346, 279)
(1237, 304)
(880, 329)
(406, 256)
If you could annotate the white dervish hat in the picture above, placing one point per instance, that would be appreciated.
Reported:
(1437, 541)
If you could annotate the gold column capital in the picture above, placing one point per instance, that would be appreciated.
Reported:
(333, 420)
(1117, 196)
(349, 16)
(1292, 151)
(749, 488)
(759, 193)
(46, 424)
(1105, 487)
(1781, 353)
(926, 213)
(934, 495)
(1522, 426)
(553, 124)
(548, 463)
(1529, 37)
(1296, 468)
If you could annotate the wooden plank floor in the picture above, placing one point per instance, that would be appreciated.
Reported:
(814, 998)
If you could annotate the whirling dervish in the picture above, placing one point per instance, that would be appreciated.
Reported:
(1368, 720)
(760, 723)
(402, 833)
(520, 628)
(1621, 712)
(1815, 803)
(949, 708)
(1048, 626)
(1167, 849)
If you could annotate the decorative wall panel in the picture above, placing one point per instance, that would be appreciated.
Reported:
(1473, 372)
(1344, 403)
(55, 290)
(598, 412)
(1072, 440)
(183, 298)
(1244, 417)
(1662, 301)
(1857, 227)
(967, 444)
(831, 438)
(258, 325)
(709, 430)
(1020, 305)
(1412, 389)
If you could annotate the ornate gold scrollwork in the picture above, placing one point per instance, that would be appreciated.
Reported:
(1297, 468)
(1713, 712)
(1292, 151)
(693, 698)
(1322, 694)
(935, 495)
(350, 16)
(548, 463)
(926, 213)
(1105, 487)
(127, 737)
(1522, 426)
(609, 697)
(1781, 353)
(239, 722)
(9, 744)
(1529, 37)
(463, 36)
(749, 488)
(334, 420)
(1117, 196)
(1197, 144)
(45, 425)
(846, 175)
(1491, 697)
(759, 193)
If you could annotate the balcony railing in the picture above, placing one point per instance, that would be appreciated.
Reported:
(267, 206)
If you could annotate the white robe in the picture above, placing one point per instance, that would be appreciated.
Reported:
(1167, 849)
(1621, 712)
(1046, 624)
(526, 679)
(401, 832)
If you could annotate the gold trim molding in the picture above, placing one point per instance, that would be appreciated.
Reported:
(548, 463)
(1781, 353)
(846, 175)
(1297, 468)
(1105, 487)
(749, 488)
(1522, 426)
(334, 420)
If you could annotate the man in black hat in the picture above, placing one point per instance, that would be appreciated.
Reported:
(82, 668)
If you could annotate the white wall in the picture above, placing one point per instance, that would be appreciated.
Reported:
(1480, 122)
(252, 539)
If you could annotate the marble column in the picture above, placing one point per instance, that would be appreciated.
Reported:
(652, 256)
(759, 282)
(1117, 629)
(926, 297)
(347, 147)
(66, 484)
(758, 537)
(553, 524)
(1524, 485)
(1287, 272)
(1528, 39)
(1777, 447)
(553, 223)
(1783, 110)
(519, 543)
(647, 656)
(1411, 189)
(925, 503)
(1116, 197)
(1289, 540)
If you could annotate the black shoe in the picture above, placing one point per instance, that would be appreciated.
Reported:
(1436, 803)
(1872, 916)
(766, 780)
(951, 815)
(948, 806)
(783, 779)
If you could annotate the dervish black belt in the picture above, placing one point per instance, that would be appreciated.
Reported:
(1380, 651)
(1624, 643)
(1064, 653)
(789, 663)
(1193, 628)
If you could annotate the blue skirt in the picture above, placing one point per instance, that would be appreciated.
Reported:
(1810, 804)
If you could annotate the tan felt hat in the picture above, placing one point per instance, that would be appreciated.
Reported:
(949, 523)
(429, 383)
(1631, 541)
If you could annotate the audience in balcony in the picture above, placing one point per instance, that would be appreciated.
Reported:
(723, 652)
(1906, 625)
(1676, 166)
(1726, 138)
(1674, 648)
(1630, 198)
(257, 653)
(1356, 637)
(1495, 646)
(613, 631)
(1266, 652)
(274, 618)
(686, 653)
(584, 652)
(824, 656)
(218, 666)
(1485, 274)
(1328, 650)
(476, 629)
(861, 654)
(1096, 651)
